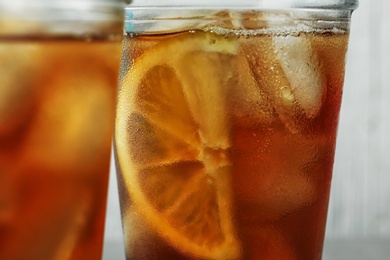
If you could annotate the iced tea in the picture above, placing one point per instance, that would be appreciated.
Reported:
(57, 102)
(225, 137)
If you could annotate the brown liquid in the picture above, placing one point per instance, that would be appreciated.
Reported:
(56, 122)
(282, 149)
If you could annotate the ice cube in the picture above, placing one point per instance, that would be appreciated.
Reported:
(270, 79)
(288, 73)
(302, 70)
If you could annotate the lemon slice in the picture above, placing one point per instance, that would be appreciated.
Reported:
(172, 140)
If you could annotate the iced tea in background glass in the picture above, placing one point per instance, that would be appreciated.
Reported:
(226, 126)
(59, 63)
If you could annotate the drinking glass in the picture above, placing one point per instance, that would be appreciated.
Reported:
(59, 64)
(226, 126)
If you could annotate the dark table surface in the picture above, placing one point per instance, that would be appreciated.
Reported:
(335, 249)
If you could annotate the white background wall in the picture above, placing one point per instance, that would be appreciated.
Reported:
(360, 204)
(360, 199)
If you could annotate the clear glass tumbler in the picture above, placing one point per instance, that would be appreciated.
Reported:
(226, 127)
(59, 64)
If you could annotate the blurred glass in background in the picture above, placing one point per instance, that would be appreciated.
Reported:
(59, 64)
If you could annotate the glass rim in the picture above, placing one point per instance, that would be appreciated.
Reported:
(177, 13)
(335, 5)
